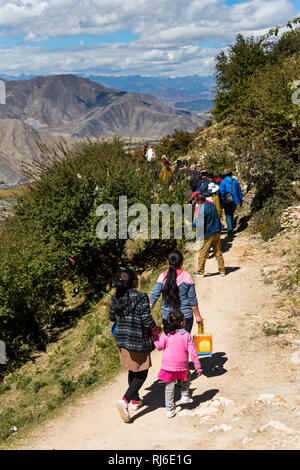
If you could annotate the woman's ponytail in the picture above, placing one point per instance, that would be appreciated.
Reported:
(170, 292)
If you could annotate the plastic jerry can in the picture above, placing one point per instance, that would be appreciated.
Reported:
(203, 342)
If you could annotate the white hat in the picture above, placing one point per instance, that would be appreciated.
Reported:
(213, 187)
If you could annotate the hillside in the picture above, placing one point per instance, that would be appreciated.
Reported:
(78, 107)
(19, 142)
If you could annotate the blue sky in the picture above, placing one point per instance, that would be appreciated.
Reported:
(114, 37)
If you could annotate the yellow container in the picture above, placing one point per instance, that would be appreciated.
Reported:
(203, 342)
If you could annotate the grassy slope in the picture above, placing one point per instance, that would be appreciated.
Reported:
(83, 358)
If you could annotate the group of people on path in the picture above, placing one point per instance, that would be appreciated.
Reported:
(136, 333)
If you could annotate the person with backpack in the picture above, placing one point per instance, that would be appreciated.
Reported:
(184, 172)
(177, 169)
(209, 219)
(134, 326)
(204, 182)
(230, 195)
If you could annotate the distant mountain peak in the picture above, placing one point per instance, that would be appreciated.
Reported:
(76, 106)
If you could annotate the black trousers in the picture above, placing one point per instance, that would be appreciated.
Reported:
(135, 382)
(189, 324)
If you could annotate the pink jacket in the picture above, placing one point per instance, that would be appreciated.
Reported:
(177, 348)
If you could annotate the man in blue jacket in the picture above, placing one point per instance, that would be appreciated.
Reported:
(208, 216)
(230, 185)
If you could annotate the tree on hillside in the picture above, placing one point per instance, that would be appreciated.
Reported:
(255, 84)
(245, 57)
(233, 71)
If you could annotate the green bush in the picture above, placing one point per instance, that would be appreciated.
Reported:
(88, 378)
(254, 101)
(51, 241)
(176, 145)
(67, 387)
(38, 385)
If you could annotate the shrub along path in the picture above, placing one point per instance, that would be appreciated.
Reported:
(246, 398)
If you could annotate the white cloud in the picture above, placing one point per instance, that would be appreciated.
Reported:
(36, 37)
(108, 59)
(151, 19)
(169, 33)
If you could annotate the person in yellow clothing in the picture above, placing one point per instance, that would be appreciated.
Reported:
(213, 191)
(166, 172)
(212, 196)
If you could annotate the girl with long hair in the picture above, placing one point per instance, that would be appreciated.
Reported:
(130, 311)
(178, 291)
(177, 345)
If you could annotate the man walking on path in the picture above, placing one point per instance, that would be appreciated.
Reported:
(150, 154)
(204, 182)
(212, 234)
(230, 186)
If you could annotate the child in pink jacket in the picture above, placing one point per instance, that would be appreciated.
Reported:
(177, 344)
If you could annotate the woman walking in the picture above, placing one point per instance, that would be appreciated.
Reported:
(130, 310)
(178, 291)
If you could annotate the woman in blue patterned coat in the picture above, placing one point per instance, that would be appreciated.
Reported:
(130, 310)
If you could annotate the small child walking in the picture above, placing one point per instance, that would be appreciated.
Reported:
(177, 344)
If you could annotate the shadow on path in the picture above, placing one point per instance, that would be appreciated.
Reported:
(226, 243)
(155, 398)
(229, 269)
(213, 365)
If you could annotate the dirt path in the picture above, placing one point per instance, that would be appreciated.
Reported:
(247, 397)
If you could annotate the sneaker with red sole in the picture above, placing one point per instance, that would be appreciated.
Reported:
(122, 406)
(135, 405)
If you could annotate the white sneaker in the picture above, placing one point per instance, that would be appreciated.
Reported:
(123, 410)
(186, 400)
(171, 414)
(135, 405)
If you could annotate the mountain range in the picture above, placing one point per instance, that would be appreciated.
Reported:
(177, 91)
(20, 143)
(78, 107)
(41, 110)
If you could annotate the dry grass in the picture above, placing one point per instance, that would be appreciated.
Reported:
(13, 193)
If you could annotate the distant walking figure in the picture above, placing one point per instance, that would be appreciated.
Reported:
(208, 216)
(130, 310)
(231, 195)
(166, 172)
(150, 154)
